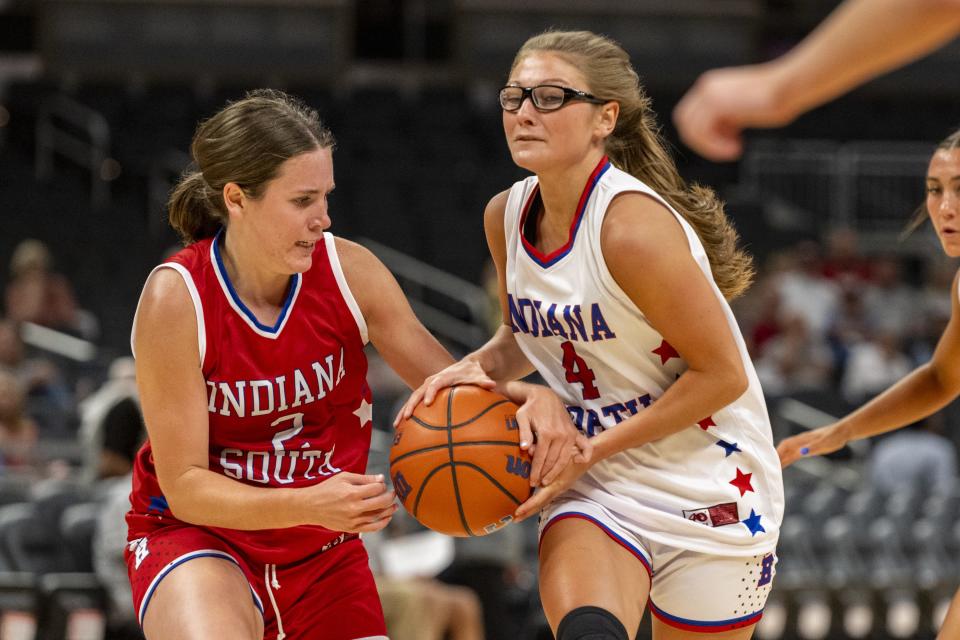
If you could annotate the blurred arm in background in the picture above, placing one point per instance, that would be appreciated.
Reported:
(860, 40)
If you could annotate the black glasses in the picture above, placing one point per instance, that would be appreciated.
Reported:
(545, 97)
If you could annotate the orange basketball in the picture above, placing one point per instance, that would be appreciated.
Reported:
(457, 465)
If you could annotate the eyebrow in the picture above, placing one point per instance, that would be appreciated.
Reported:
(546, 81)
(936, 179)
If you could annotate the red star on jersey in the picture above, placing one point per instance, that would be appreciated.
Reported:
(707, 422)
(742, 482)
(665, 351)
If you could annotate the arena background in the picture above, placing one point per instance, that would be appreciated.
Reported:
(98, 101)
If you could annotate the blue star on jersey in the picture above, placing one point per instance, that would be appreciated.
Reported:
(753, 523)
(158, 504)
(729, 447)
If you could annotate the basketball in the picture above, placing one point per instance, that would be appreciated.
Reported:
(457, 466)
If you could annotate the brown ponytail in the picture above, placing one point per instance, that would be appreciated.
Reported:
(244, 143)
(193, 213)
(635, 146)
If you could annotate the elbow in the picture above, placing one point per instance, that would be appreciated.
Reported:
(174, 497)
(735, 383)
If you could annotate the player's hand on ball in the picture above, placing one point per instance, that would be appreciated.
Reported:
(545, 494)
(812, 443)
(463, 372)
(352, 502)
(547, 432)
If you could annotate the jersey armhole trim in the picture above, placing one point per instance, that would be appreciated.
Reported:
(329, 240)
(197, 307)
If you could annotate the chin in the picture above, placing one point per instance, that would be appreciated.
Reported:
(301, 265)
(952, 251)
(530, 161)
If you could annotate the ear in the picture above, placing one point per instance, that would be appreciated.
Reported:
(607, 118)
(234, 198)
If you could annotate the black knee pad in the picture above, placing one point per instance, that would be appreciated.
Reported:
(591, 623)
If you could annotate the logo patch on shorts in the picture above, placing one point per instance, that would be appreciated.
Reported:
(716, 516)
(139, 549)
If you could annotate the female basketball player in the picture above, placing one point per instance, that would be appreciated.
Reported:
(933, 385)
(249, 495)
(613, 277)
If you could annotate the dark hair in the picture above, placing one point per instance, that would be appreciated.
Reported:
(636, 147)
(920, 216)
(245, 143)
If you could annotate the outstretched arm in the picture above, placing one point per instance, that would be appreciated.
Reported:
(860, 40)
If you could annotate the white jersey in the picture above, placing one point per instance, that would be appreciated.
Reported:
(714, 487)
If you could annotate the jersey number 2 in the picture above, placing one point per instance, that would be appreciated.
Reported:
(578, 371)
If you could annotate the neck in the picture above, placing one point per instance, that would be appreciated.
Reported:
(561, 188)
(252, 281)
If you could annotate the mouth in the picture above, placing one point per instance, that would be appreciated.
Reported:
(527, 139)
(948, 231)
(303, 244)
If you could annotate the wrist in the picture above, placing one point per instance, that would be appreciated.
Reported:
(844, 432)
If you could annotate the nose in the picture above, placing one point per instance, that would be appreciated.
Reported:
(320, 222)
(950, 203)
(527, 111)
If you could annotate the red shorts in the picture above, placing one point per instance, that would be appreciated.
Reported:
(329, 595)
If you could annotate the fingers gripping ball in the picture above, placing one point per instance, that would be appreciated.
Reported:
(457, 465)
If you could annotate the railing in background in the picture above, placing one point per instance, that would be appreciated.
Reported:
(452, 308)
(78, 133)
(873, 187)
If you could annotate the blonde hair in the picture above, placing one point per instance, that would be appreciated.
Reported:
(635, 146)
(921, 214)
(245, 143)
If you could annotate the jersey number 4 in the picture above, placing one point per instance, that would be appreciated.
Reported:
(578, 372)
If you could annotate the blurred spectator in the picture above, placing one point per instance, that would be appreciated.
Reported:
(767, 324)
(111, 428)
(49, 400)
(934, 308)
(36, 293)
(109, 540)
(426, 609)
(805, 292)
(917, 457)
(494, 567)
(891, 304)
(794, 361)
(873, 365)
(18, 432)
(849, 326)
(417, 606)
(843, 261)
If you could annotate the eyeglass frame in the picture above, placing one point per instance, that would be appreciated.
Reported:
(568, 95)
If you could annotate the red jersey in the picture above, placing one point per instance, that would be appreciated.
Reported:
(288, 405)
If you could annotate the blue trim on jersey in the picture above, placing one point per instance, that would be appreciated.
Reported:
(700, 623)
(294, 284)
(610, 532)
(550, 260)
(190, 556)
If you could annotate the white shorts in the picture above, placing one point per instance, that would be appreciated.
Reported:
(688, 590)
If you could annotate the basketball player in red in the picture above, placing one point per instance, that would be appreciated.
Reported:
(930, 387)
(250, 494)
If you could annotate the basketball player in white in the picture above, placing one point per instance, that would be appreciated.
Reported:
(613, 283)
